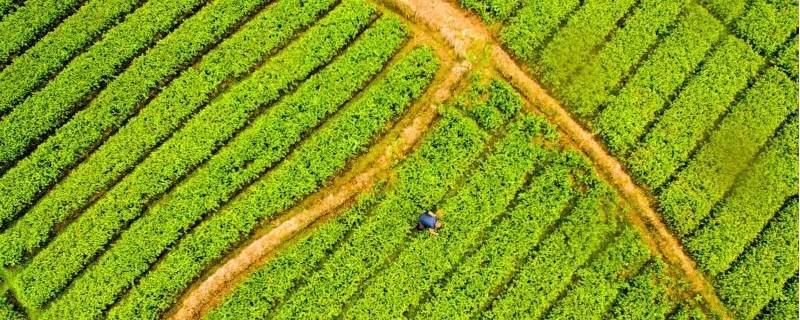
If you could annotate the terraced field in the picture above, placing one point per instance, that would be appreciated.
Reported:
(257, 159)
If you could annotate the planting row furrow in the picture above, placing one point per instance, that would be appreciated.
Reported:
(759, 274)
(785, 305)
(684, 123)
(259, 147)
(8, 311)
(595, 80)
(647, 295)
(21, 28)
(48, 108)
(192, 145)
(526, 32)
(768, 24)
(117, 102)
(444, 155)
(492, 10)
(650, 88)
(51, 52)
(471, 285)
(423, 180)
(787, 60)
(550, 267)
(264, 289)
(316, 160)
(573, 44)
(468, 214)
(5, 7)
(758, 194)
(702, 183)
(234, 57)
(726, 10)
(597, 285)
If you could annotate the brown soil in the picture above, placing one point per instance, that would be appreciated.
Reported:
(211, 291)
(464, 32)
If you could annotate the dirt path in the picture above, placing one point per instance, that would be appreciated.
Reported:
(464, 32)
(211, 291)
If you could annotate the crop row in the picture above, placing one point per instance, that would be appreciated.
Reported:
(267, 286)
(526, 32)
(684, 123)
(692, 194)
(726, 10)
(787, 60)
(445, 154)
(551, 266)
(187, 148)
(24, 26)
(312, 163)
(648, 90)
(470, 287)
(51, 52)
(468, 214)
(647, 295)
(597, 284)
(759, 274)
(757, 195)
(234, 57)
(5, 7)
(594, 82)
(110, 109)
(259, 147)
(492, 10)
(51, 106)
(686, 311)
(574, 44)
(783, 306)
(491, 105)
(764, 24)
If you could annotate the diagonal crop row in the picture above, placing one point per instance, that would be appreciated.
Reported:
(256, 149)
(758, 194)
(305, 170)
(768, 24)
(491, 105)
(234, 57)
(758, 275)
(255, 297)
(492, 10)
(471, 286)
(468, 214)
(423, 179)
(52, 51)
(783, 306)
(574, 43)
(694, 191)
(682, 126)
(593, 84)
(726, 10)
(24, 26)
(48, 108)
(192, 145)
(787, 60)
(526, 32)
(597, 285)
(625, 118)
(647, 295)
(119, 101)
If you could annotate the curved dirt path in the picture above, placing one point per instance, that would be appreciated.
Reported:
(213, 289)
(465, 32)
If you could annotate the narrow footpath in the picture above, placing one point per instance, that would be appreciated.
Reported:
(465, 32)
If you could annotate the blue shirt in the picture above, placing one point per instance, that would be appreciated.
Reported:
(427, 220)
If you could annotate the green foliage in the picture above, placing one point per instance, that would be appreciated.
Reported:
(574, 43)
(25, 25)
(526, 32)
(688, 312)
(683, 125)
(767, 24)
(267, 287)
(259, 147)
(8, 311)
(784, 306)
(234, 57)
(726, 10)
(594, 81)
(48, 108)
(316, 160)
(754, 199)
(187, 148)
(53, 50)
(787, 60)
(646, 296)
(491, 105)
(702, 183)
(468, 214)
(759, 274)
(492, 10)
(650, 88)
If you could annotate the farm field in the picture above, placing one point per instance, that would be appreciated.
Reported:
(269, 159)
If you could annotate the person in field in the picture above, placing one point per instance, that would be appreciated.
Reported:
(429, 221)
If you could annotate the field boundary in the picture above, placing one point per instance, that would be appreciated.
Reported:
(465, 33)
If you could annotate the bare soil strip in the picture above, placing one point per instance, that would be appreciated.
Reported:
(465, 32)
(212, 290)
